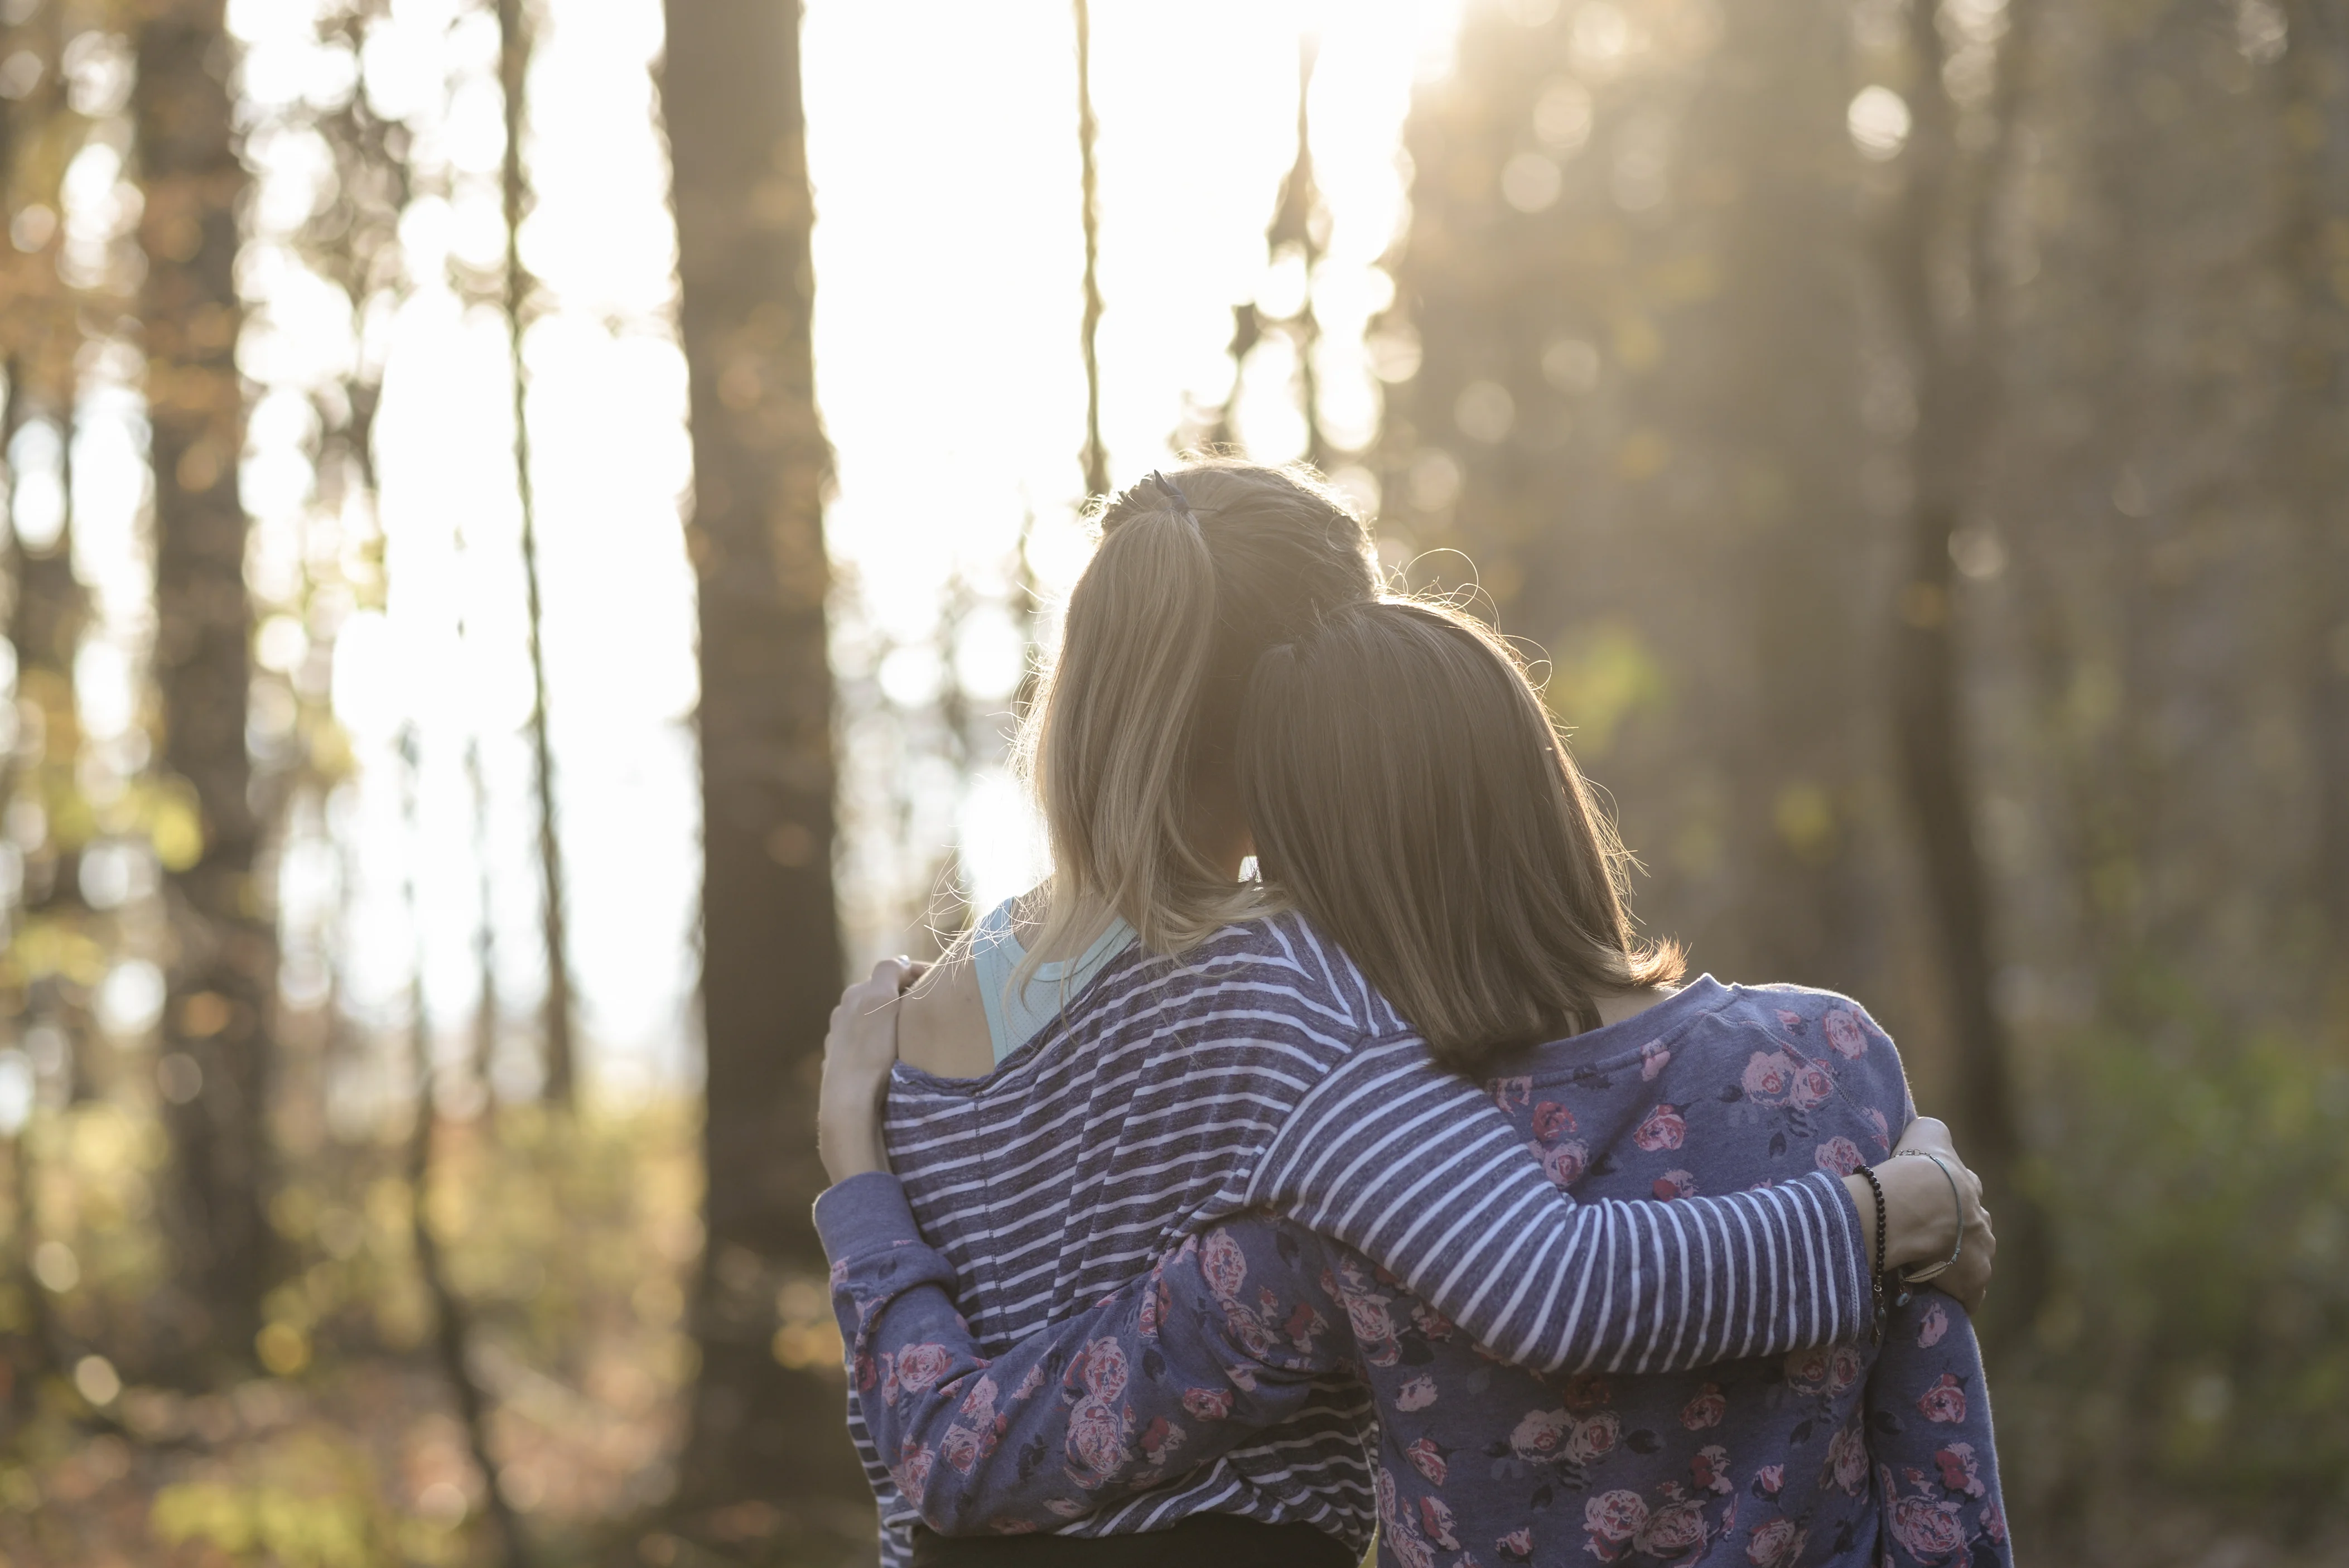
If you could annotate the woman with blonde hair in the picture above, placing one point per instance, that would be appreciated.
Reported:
(1120, 1059)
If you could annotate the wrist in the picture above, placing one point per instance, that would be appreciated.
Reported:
(848, 1130)
(1920, 1220)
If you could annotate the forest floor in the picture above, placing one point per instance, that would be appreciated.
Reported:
(571, 1244)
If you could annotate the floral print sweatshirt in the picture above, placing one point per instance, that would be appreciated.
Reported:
(1876, 1452)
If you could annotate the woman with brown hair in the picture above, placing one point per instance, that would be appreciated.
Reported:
(1234, 1057)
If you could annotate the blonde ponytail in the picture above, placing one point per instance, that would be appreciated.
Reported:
(1199, 571)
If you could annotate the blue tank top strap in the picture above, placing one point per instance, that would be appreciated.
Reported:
(995, 952)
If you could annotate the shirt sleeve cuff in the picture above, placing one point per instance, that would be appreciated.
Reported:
(1862, 1295)
(863, 1214)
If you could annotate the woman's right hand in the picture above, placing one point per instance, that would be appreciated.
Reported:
(1921, 1216)
(858, 1049)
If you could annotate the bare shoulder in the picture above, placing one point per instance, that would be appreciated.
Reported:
(942, 1022)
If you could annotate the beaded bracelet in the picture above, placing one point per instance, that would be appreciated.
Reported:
(1876, 1276)
(1917, 1275)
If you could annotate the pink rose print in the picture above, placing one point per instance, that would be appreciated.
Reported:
(1247, 1328)
(1611, 1519)
(979, 1403)
(1673, 1185)
(1664, 1129)
(1928, 1529)
(1994, 1522)
(1552, 1120)
(1157, 1302)
(1207, 1404)
(1848, 1460)
(866, 1378)
(1811, 1086)
(1096, 1443)
(1956, 1464)
(1844, 1032)
(1841, 1156)
(1705, 1410)
(1429, 1322)
(1791, 1022)
(1807, 1370)
(1653, 1059)
(1397, 1531)
(1773, 1542)
(1936, 1323)
(1030, 1383)
(1100, 1366)
(1768, 1075)
(1505, 1091)
(1366, 1311)
(1844, 1368)
(1428, 1460)
(1944, 1401)
(1416, 1395)
(1672, 1530)
(920, 1366)
(1710, 1469)
(1436, 1520)
(1769, 1478)
(960, 1447)
(912, 1470)
(839, 1275)
(1303, 1323)
(1542, 1434)
(1562, 1163)
(1242, 1377)
(1162, 1439)
(1516, 1546)
(1883, 1130)
(1594, 1438)
(1224, 1264)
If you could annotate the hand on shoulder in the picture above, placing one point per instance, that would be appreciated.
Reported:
(858, 1049)
(942, 1021)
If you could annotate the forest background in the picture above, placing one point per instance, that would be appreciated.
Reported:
(506, 611)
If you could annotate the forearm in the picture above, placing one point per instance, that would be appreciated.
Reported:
(1422, 1173)
(1154, 1379)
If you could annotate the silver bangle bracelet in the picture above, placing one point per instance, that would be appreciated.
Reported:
(1957, 1200)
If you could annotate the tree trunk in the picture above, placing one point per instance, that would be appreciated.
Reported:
(514, 71)
(2316, 468)
(771, 941)
(1940, 206)
(1095, 455)
(223, 974)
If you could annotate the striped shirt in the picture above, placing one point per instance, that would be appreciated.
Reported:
(1260, 1071)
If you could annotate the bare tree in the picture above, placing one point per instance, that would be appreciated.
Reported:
(1096, 457)
(514, 72)
(772, 954)
(222, 981)
(1941, 225)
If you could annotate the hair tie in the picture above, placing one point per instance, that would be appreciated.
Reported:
(1182, 502)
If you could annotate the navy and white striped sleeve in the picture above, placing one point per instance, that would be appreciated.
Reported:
(1415, 1167)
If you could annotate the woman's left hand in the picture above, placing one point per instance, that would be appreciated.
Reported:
(858, 1050)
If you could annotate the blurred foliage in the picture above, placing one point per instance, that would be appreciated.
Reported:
(2184, 1384)
(572, 1241)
